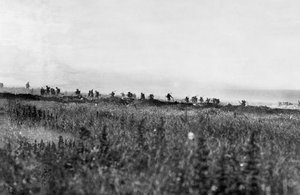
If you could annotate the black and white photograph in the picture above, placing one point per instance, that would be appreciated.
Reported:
(149, 97)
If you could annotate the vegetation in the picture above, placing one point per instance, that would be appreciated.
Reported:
(144, 149)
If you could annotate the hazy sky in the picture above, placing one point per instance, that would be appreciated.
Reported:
(183, 46)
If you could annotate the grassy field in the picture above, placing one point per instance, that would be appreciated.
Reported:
(109, 148)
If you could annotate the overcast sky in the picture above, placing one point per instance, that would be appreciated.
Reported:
(181, 46)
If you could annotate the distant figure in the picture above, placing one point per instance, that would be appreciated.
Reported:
(57, 90)
(194, 99)
(52, 91)
(91, 93)
(169, 97)
(47, 89)
(201, 100)
(243, 103)
(216, 101)
(130, 95)
(43, 91)
(27, 85)
(1, 85)
(97, 94)
(187, 99)
(84, 134)
(143, 96)
(112, 94)
(151, 97)
(207, 101)
(77, 92)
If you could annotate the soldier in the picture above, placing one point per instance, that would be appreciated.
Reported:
(57, 90)
(207, 100)
(169, 97)
(194, 99)
(92, 93)
(52, 91)
(97, 94)
(143, 96)
(201, 100)
(27, 85)
(130, 95)
(243, 103)
(47, 89)
(216, 101)
(151, 97)
(187, 99)
(42, 91)
(77, 92)
(112, 94)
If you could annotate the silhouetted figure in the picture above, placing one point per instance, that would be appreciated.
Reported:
(27, 85)
(169, 97)
(77, 92)
(207, 101)
(187, 99)
(151, 97)
(43, 91)
(201, 100)
(112, 94)
(97, 94)
(47, 89)
(84, 134)
(91, 93)
(143, 96)
(52, 91)
(216, 101)
(130, 95)
(57, 90)
(194, 99)
(243, 103)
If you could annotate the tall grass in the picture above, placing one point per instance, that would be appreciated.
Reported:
(146, 150)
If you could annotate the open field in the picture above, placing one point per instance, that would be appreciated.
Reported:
(141, 147)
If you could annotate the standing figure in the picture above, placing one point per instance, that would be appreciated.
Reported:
(143, 96)
(57, 90)
(42, 91)
(207, 100)
(27, 85)
(97, 94)
(52, 91)
(112, 94)
(47, 90)
(201, 100)
(194, 99)
(187, 99)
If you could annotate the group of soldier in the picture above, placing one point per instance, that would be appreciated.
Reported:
(95, 94)
(195, 100)
(92, 94)
(50, 91)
